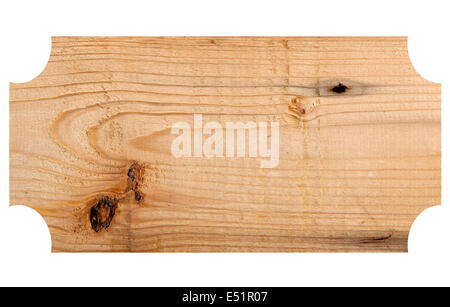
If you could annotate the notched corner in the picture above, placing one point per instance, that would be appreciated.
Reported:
(423, 238)
(27, 222)
(413, 67)
(37, 60)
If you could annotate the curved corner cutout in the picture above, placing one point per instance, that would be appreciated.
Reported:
(28, 57)
(427, 54)
(430, 232)
(27, 231)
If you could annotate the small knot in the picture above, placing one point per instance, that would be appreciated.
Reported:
(340, 88)
(102, 213)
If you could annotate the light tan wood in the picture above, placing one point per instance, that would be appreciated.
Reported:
(355, 170)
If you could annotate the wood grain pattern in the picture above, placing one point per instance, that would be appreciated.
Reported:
(355, 170)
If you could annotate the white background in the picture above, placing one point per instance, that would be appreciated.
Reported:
(26, 27)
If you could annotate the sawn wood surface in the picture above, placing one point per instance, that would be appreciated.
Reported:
(359, 144)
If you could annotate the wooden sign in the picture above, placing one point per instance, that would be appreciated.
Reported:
(205, 144)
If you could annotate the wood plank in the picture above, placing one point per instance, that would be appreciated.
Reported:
(359, 144)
